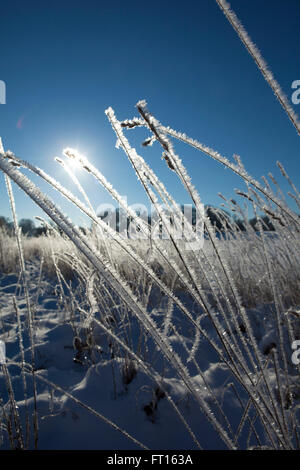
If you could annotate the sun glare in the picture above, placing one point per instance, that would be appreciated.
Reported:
(77, 159)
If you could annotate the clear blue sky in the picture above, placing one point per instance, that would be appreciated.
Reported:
(65, 62)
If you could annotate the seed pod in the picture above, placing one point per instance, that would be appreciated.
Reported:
(168, 161)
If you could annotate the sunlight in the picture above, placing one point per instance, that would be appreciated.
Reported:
(78, 160)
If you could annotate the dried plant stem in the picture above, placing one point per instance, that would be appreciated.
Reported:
(28, 304)
(121, 287)
(260, 61)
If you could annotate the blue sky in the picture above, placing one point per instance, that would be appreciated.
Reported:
(65, 62)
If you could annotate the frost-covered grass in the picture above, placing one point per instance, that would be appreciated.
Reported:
(117, 343)
(201, 337)
(241, 251)
(260, 61)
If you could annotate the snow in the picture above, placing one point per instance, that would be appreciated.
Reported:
(136, 407)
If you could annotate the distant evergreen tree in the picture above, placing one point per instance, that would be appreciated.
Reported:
(266, 223)
(27, 226)
(219, 218)
(40, 231)
(6, 224)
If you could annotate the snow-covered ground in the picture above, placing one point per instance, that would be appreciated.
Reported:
(95, 379)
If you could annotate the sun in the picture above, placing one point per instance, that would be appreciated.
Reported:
(77, 160)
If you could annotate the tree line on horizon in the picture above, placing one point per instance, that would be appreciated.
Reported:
(221, 219)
